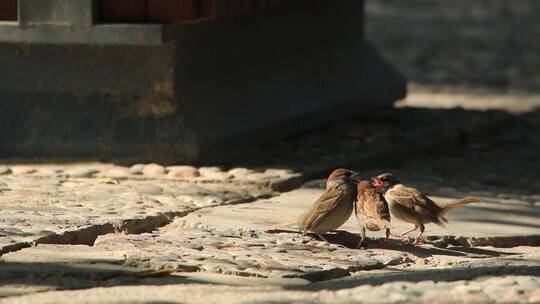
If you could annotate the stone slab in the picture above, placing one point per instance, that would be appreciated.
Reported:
(505, 289)
(106, 264)
(235, 249)
(475, 221)
(236, 240)
(76, 203)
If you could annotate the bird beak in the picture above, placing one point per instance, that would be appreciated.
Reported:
(377, 182)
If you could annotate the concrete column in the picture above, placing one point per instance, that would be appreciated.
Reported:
(73, 13)
(214, 89)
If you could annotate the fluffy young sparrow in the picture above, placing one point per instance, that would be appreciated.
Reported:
(333, 208)
(412, 206)
(371, 210)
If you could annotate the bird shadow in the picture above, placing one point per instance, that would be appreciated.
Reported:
(429, 251)
(351, 240)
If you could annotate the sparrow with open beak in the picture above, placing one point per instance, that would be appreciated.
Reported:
(412, 206)
(371, 210)
(334, 206)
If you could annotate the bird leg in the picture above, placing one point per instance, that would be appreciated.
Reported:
(362, 238)
(418, 240)
(388, 233)
(409, 231)
(397, 235)
(402, 236)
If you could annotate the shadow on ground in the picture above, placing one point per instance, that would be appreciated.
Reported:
(465, 149)
(58, 276)
(451, 274)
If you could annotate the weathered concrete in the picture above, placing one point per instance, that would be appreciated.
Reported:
(459, 44)
(185, 101)
(475, 224)
(102, 34)
(235, 241)
(59, 204)
(111, 262)
(230, 246)
(447, 153)
(510, 289)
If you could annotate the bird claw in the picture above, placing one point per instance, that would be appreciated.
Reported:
(418, 242)
(399, 236)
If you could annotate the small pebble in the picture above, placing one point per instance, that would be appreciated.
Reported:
(23, 170)
(49, 171)
(137, 169)
(81, 172)
(183, 172)
(154, 170)
(217, 175)
(119, 171)
(239, 172)
(278, 172)
(4, 170)
(205, 170)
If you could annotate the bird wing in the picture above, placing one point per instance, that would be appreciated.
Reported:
(372, 209)
(327, 202)
(368, 201)
(415, 200)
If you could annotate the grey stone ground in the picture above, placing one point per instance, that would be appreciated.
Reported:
(102, 233)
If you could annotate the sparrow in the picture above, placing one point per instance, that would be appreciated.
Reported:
(371, 210)
(332, 209)
(412, 206)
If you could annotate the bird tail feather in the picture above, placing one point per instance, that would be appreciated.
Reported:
(466, 200)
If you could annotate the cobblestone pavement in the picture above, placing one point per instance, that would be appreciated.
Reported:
(100, 232)
(504, 289)
(43, 204)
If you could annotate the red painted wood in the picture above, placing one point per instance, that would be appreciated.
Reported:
(8, 10)
(173, 11)
(122, 10)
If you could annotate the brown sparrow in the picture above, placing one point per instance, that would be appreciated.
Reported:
(332, 209)
(412, 206)
(371, 210)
